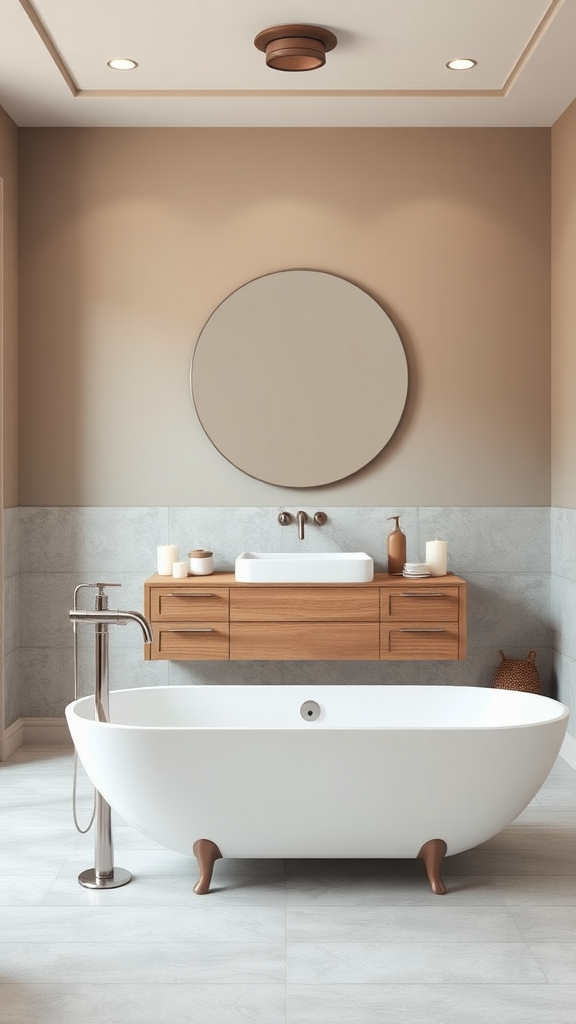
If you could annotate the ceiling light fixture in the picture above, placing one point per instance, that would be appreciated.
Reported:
(295, 47)
(122, 64)
(461, 64)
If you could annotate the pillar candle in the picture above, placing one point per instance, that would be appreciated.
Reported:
(437, 557)
(180, 570)
(167, 554)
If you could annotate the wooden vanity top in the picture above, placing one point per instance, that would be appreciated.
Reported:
(228, 579)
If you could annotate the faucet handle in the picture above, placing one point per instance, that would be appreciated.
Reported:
(100, 596)
(94, 586)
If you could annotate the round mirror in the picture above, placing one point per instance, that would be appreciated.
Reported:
(299, 378)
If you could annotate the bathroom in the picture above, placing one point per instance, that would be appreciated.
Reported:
(121, 242)
(127, 242)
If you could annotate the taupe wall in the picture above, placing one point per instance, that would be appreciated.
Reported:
(8, 373)
(129, 238)
(9, 308)
(563, 348)
(563, 444)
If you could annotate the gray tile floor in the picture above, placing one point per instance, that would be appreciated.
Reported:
(297, 942)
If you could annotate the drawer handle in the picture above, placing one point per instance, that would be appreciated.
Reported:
(423, 594)
(199, 594)
(203, 630)
(422, 630)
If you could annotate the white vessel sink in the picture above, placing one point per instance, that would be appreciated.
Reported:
(296, 567)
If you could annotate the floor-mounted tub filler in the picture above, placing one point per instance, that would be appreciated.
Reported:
(104, 874)
(319, 771)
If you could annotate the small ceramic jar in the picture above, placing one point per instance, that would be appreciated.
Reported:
(201, 562)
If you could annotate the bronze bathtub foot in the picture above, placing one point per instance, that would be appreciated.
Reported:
(433, 853)
(206, 853)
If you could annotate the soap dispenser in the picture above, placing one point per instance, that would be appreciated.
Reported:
(396, 549)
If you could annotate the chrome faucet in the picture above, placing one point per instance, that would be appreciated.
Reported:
(301, 518)
(104, 875)
(115, 617)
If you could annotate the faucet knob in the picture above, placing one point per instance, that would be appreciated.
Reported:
(285, 518)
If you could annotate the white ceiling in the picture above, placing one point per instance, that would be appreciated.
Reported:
(198, 65)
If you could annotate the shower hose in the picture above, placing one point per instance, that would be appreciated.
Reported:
(82, 831)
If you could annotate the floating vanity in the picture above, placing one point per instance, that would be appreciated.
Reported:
(216, 618)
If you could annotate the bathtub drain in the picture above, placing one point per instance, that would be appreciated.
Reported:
(310, 710)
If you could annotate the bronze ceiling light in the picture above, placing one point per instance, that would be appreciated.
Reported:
(295, 47)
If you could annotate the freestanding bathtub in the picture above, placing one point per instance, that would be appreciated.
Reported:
(382, 771)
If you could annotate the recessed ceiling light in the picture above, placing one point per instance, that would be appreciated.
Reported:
(122, 64)
(461, 64)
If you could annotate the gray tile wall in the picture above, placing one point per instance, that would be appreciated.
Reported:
(12, 694)
(563, 606)
(503, 553)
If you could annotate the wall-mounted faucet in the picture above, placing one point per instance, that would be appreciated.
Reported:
(285, 518)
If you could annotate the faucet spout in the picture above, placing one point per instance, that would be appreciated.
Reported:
(140, 620)
(113, 617)
(301, 518)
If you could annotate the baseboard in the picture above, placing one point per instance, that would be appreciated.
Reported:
(39, 732)
(568, 750)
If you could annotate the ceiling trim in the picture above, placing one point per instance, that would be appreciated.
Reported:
(532, 45)
(501, 93)
(50, 45)
(278, 93)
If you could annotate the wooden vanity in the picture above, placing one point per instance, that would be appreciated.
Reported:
(214, 618)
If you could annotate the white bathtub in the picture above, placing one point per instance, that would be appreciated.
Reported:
(381, 772)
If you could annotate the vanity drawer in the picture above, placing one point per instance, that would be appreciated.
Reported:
(426, 641)
(303, 641)
(304, 604)
(206, 641)
(183, 604)
(439, 604)
(390, 618)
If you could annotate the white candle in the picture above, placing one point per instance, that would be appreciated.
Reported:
(437, 557)
(180, 570)
(166, 554)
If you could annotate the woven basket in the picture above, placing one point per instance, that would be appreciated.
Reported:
(517, 674)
